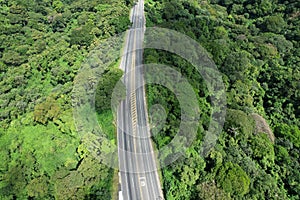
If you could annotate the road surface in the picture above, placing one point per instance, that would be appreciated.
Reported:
(137, 163)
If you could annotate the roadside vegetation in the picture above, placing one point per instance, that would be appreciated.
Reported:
(42, 46)
(255, 44)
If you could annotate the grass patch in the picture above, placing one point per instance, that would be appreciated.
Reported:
(115, 186)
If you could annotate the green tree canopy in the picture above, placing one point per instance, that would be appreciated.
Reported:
(232, 178)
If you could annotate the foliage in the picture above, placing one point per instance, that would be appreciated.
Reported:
(209, 191)
(46, 111)
(233, 179)
(262, 150)
(105, 88)
(42, 46)
(255, 44)
(237, 122)
(274, 24)
(292, 133)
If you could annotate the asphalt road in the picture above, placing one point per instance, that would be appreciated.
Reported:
(137, 163)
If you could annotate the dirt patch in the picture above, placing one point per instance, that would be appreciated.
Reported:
(261, 126)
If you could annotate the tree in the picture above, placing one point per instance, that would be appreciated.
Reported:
(81, 36)
(263, 150)
(121, 23)
(238, 66)
(58, 22)
(105, 89)
(274, 24)
(48, 110)
(13, 58)
(38, 187)
(239, 124)
(58, 5)
(290, 132)
(232, 178)
(210, 191)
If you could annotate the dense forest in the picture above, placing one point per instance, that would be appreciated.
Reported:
(255, 44)
(42, 46)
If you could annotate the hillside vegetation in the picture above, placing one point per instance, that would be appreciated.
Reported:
(42, 46)
(255, 44)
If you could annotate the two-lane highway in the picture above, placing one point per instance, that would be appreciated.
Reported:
(137, 163)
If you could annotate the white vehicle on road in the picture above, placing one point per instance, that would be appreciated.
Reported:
(143, 181)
